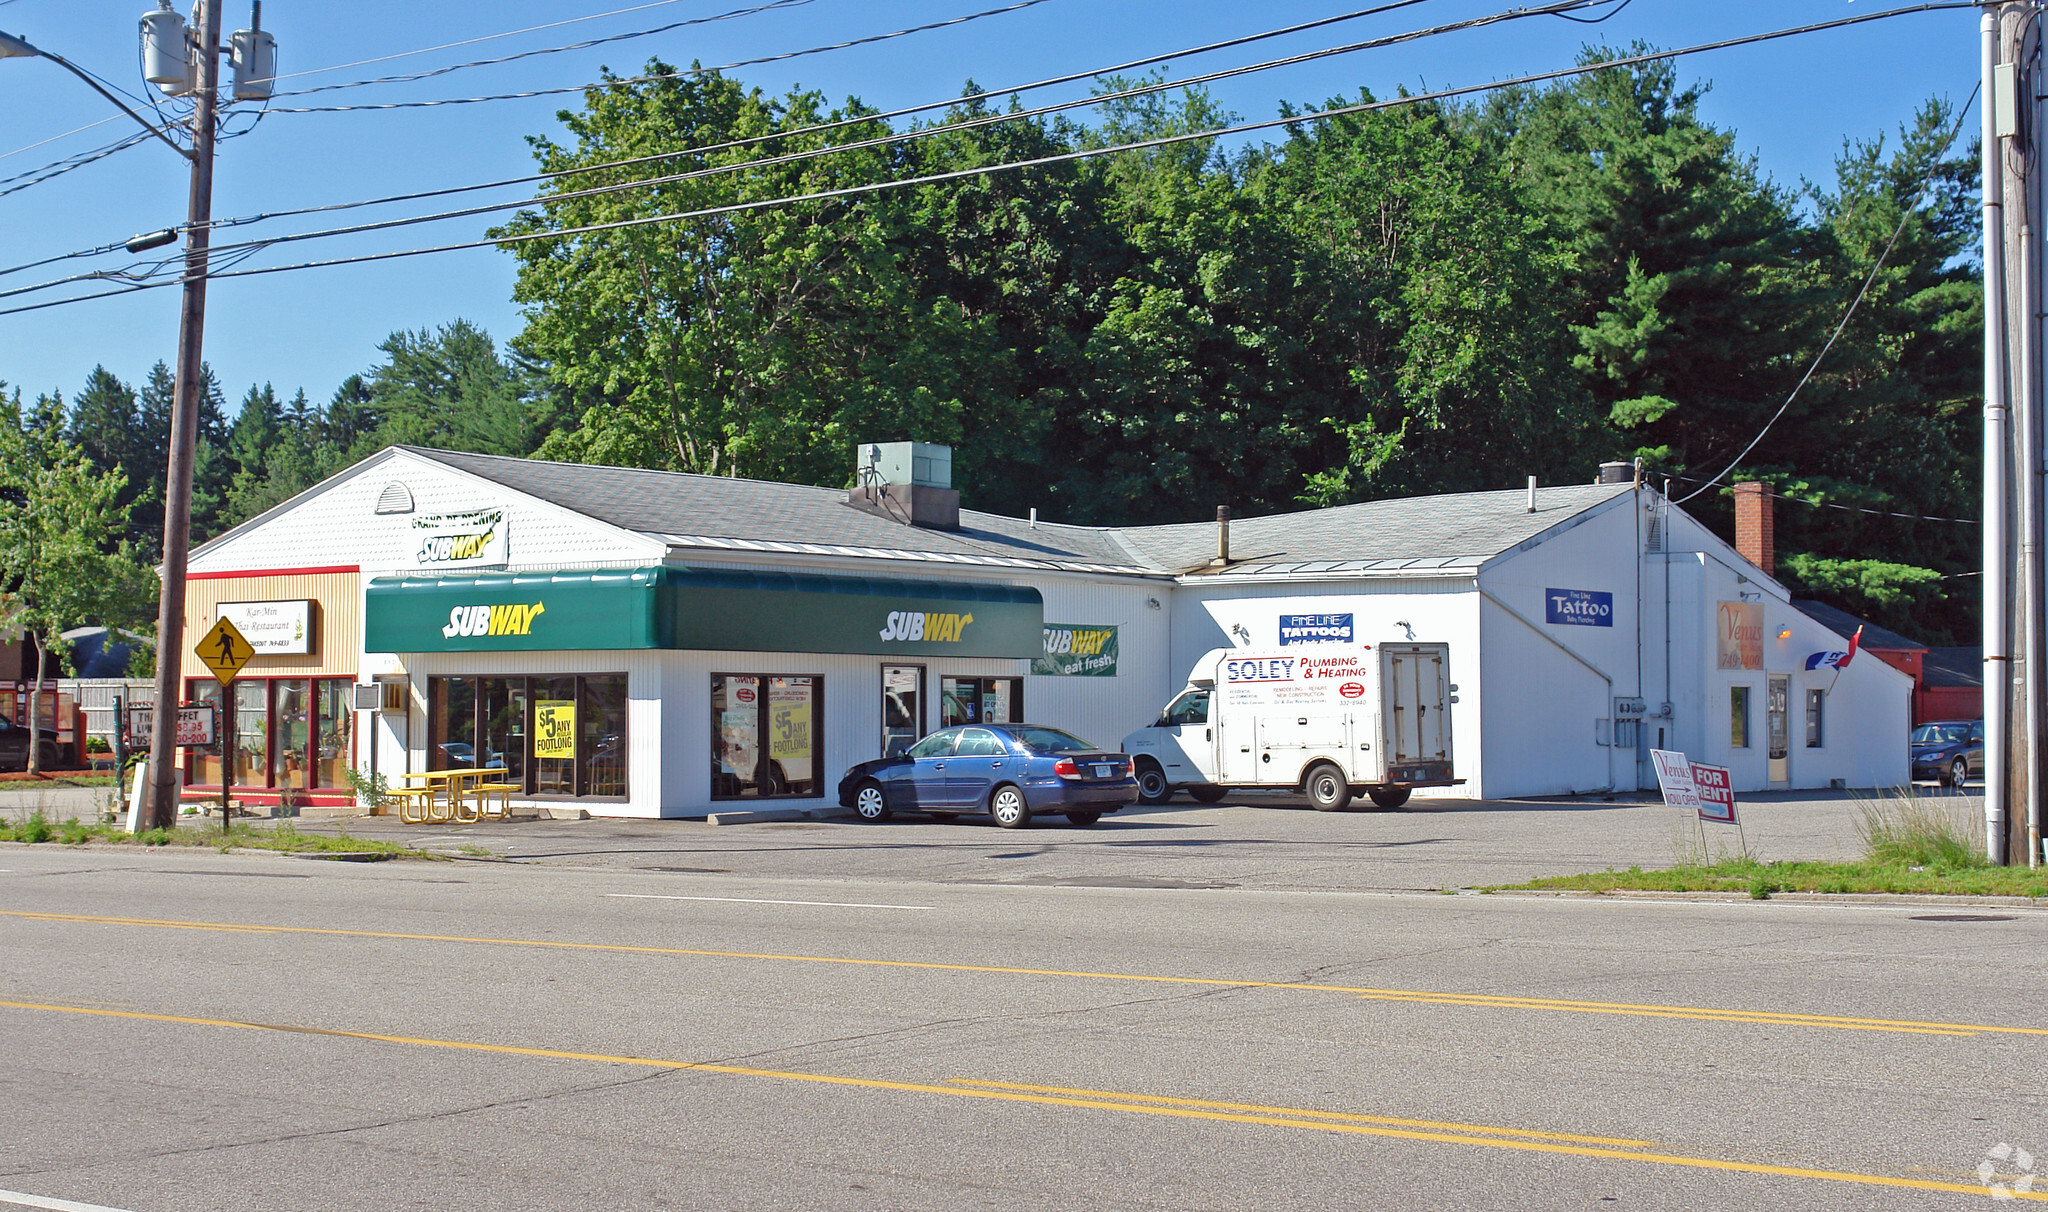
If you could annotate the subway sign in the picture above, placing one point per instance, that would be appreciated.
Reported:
(699, 609)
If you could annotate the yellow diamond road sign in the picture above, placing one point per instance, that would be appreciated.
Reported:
(224, 650)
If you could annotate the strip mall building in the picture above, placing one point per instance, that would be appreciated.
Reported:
(644, 643)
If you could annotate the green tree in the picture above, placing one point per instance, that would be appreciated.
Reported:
(61, 555)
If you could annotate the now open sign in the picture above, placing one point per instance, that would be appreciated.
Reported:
(1578, 607)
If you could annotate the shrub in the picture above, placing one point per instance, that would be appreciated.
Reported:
(74, 833)
(36, 828)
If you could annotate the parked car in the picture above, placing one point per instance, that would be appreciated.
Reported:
(1010, 771)
(1949, 751)
(14, 747)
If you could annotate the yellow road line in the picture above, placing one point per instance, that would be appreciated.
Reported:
(1300, 1112)
(1504, 1001)
(1760, 1018)
(1130, 1104)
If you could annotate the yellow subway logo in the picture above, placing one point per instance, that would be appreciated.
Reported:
(917, 626)
(491, 620)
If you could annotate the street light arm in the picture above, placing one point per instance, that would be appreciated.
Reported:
(11, 47)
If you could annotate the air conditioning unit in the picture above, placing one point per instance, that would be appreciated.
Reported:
(365, 697)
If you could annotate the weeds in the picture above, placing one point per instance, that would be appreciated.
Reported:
(1910, 831)
(36, 827)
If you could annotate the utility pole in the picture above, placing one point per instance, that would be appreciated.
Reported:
(160, 809)
(2015, 674)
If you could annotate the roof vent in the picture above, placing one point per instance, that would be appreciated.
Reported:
(908, 482)
(396, 498)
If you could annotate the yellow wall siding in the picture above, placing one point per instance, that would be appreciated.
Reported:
(337, 629)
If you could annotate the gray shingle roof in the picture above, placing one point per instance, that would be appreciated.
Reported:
(1844, 624)
(1953, 667)
(1422, 534)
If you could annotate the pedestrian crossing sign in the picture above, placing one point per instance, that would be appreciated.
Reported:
(224, 650)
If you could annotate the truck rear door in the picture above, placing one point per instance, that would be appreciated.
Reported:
(1417, 690)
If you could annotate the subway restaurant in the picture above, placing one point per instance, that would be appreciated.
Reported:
(642, 643)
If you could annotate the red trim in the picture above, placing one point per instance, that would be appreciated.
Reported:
(322, 798)
(272, 572)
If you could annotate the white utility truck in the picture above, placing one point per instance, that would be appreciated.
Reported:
(1325, 720)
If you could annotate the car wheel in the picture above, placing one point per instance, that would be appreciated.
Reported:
(1208, 793)
(1958, 772)
(48, 756)
(1008, 807)
(1327, 788)
(1389, 797)
(1083, 819)
(1152, 785)
(869, 804)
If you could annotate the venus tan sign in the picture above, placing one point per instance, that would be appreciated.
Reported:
(1739, 635)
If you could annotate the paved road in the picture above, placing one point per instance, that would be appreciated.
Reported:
(186, 1029)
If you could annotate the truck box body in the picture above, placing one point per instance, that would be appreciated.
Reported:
(1249, 718)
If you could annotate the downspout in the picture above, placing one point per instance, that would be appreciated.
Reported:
(1523, 619)
(1997, 660)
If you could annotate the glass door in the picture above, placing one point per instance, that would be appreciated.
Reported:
(1777, 730)
(902, 707)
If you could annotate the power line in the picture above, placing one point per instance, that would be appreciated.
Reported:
(1905, 217)
(550, 50)
(427, 50)
(1289, 120)
(50, 171)
(1779, 496)
(695, 71)
(928, 132)
(813, 128)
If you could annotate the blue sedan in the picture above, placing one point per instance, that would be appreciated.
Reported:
(1009, 771)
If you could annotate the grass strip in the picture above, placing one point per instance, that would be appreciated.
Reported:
(1760, 879)
(35, 828)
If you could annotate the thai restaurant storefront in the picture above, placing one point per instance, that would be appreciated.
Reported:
(287, 721)
(663, 688)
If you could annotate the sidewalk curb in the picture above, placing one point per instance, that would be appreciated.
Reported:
(1820, 898)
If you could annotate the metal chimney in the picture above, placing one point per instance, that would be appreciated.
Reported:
(1222, 537)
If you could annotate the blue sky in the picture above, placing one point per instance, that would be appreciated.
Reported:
(1791, 104)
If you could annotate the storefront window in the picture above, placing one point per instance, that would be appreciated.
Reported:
(337, 723)
(562, 736)
(1816, 705)
(601, 734)
(764, 734)
(205, 763)
(252, 733)
(554, 736)
(292, 729)
(1738, 717)
(980, 701)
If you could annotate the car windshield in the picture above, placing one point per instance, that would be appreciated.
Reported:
(1940, 734)
(1051, 740)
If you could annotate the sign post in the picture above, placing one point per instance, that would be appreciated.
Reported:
(224, 650)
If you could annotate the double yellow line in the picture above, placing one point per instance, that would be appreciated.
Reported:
(1309, 1119)
(1421, 996)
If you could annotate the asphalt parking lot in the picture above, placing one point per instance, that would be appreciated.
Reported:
(1270, 842)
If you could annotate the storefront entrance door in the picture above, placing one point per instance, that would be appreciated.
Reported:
(902, 707)
(1777, 731)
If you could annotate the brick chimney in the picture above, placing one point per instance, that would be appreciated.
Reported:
(1753, 528)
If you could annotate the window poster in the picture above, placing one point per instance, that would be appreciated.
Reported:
(554, 728)
(995, 702)
(739, 727)
(789, 727)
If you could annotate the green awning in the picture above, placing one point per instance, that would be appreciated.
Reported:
(705, 609)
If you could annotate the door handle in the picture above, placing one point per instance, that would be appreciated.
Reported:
(938, 765)
(994, 765)
(1205, 734)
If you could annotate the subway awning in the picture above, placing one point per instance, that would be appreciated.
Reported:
(705, 609)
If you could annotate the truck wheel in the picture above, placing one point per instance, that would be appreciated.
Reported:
(1152, 785)
(1327, 788)
(1208, 793)
(1389, 797)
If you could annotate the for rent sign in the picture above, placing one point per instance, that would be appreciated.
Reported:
(1706, 790)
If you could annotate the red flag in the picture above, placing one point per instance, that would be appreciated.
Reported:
(1851, 654)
